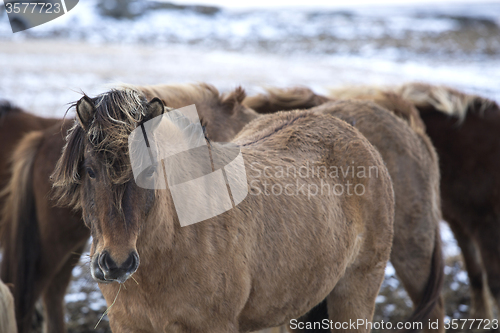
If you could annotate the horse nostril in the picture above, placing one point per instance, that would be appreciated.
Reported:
(107, 264)
(119, 273)
(130, 265)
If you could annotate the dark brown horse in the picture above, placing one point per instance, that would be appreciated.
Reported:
(257, 265)
(23, 246)
(465, 130)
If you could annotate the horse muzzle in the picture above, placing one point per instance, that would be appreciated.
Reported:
(105, 269)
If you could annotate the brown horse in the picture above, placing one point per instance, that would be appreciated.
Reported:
(413, 166)
(20, 242)
(464, 129)
(257, 265)
(42, 243)
(7, 315)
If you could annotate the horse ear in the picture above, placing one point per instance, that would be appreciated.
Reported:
(233, 100)
(155, 108)
(85, 111)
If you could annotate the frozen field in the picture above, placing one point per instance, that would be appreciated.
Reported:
(45, 75)
(46, 69)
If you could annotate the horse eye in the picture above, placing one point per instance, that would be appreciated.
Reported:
(91, 173)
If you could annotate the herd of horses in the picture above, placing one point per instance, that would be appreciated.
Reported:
(271, 258)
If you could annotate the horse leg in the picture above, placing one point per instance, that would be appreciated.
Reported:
(53, 297)
(316, 314)
(490, 249)
(353, 298)
(480, 302)
(417, 259)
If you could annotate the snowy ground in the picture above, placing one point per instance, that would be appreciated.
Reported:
(46, 68)
(45, 75)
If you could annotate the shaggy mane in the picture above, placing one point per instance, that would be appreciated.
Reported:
(444, 99)
(180, 95)
(279, 99)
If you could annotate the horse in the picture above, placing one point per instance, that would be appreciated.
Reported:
(258, 264)
(42, 241)
(463, 128)
(20, 241)
(15, 123)
(7, 315)
(399, 136)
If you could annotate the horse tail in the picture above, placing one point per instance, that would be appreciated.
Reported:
(278, 99)
(19, 232)
(430, 98)
(432, 292)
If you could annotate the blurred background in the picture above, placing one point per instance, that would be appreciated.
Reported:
(317, 43)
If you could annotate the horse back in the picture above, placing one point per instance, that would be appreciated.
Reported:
(320, 231)
(14, 124)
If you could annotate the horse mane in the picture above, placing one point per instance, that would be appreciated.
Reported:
(117, 114)
(179, 95)
(212, 106)
(284, 99)
(444, 99)
(387, 99)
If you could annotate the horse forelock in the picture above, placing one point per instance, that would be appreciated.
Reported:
(116, 114)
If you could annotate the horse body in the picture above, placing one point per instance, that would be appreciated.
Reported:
(464, 129)
(255, 266)
(14, 124)
(410, 158)
(20, 238)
